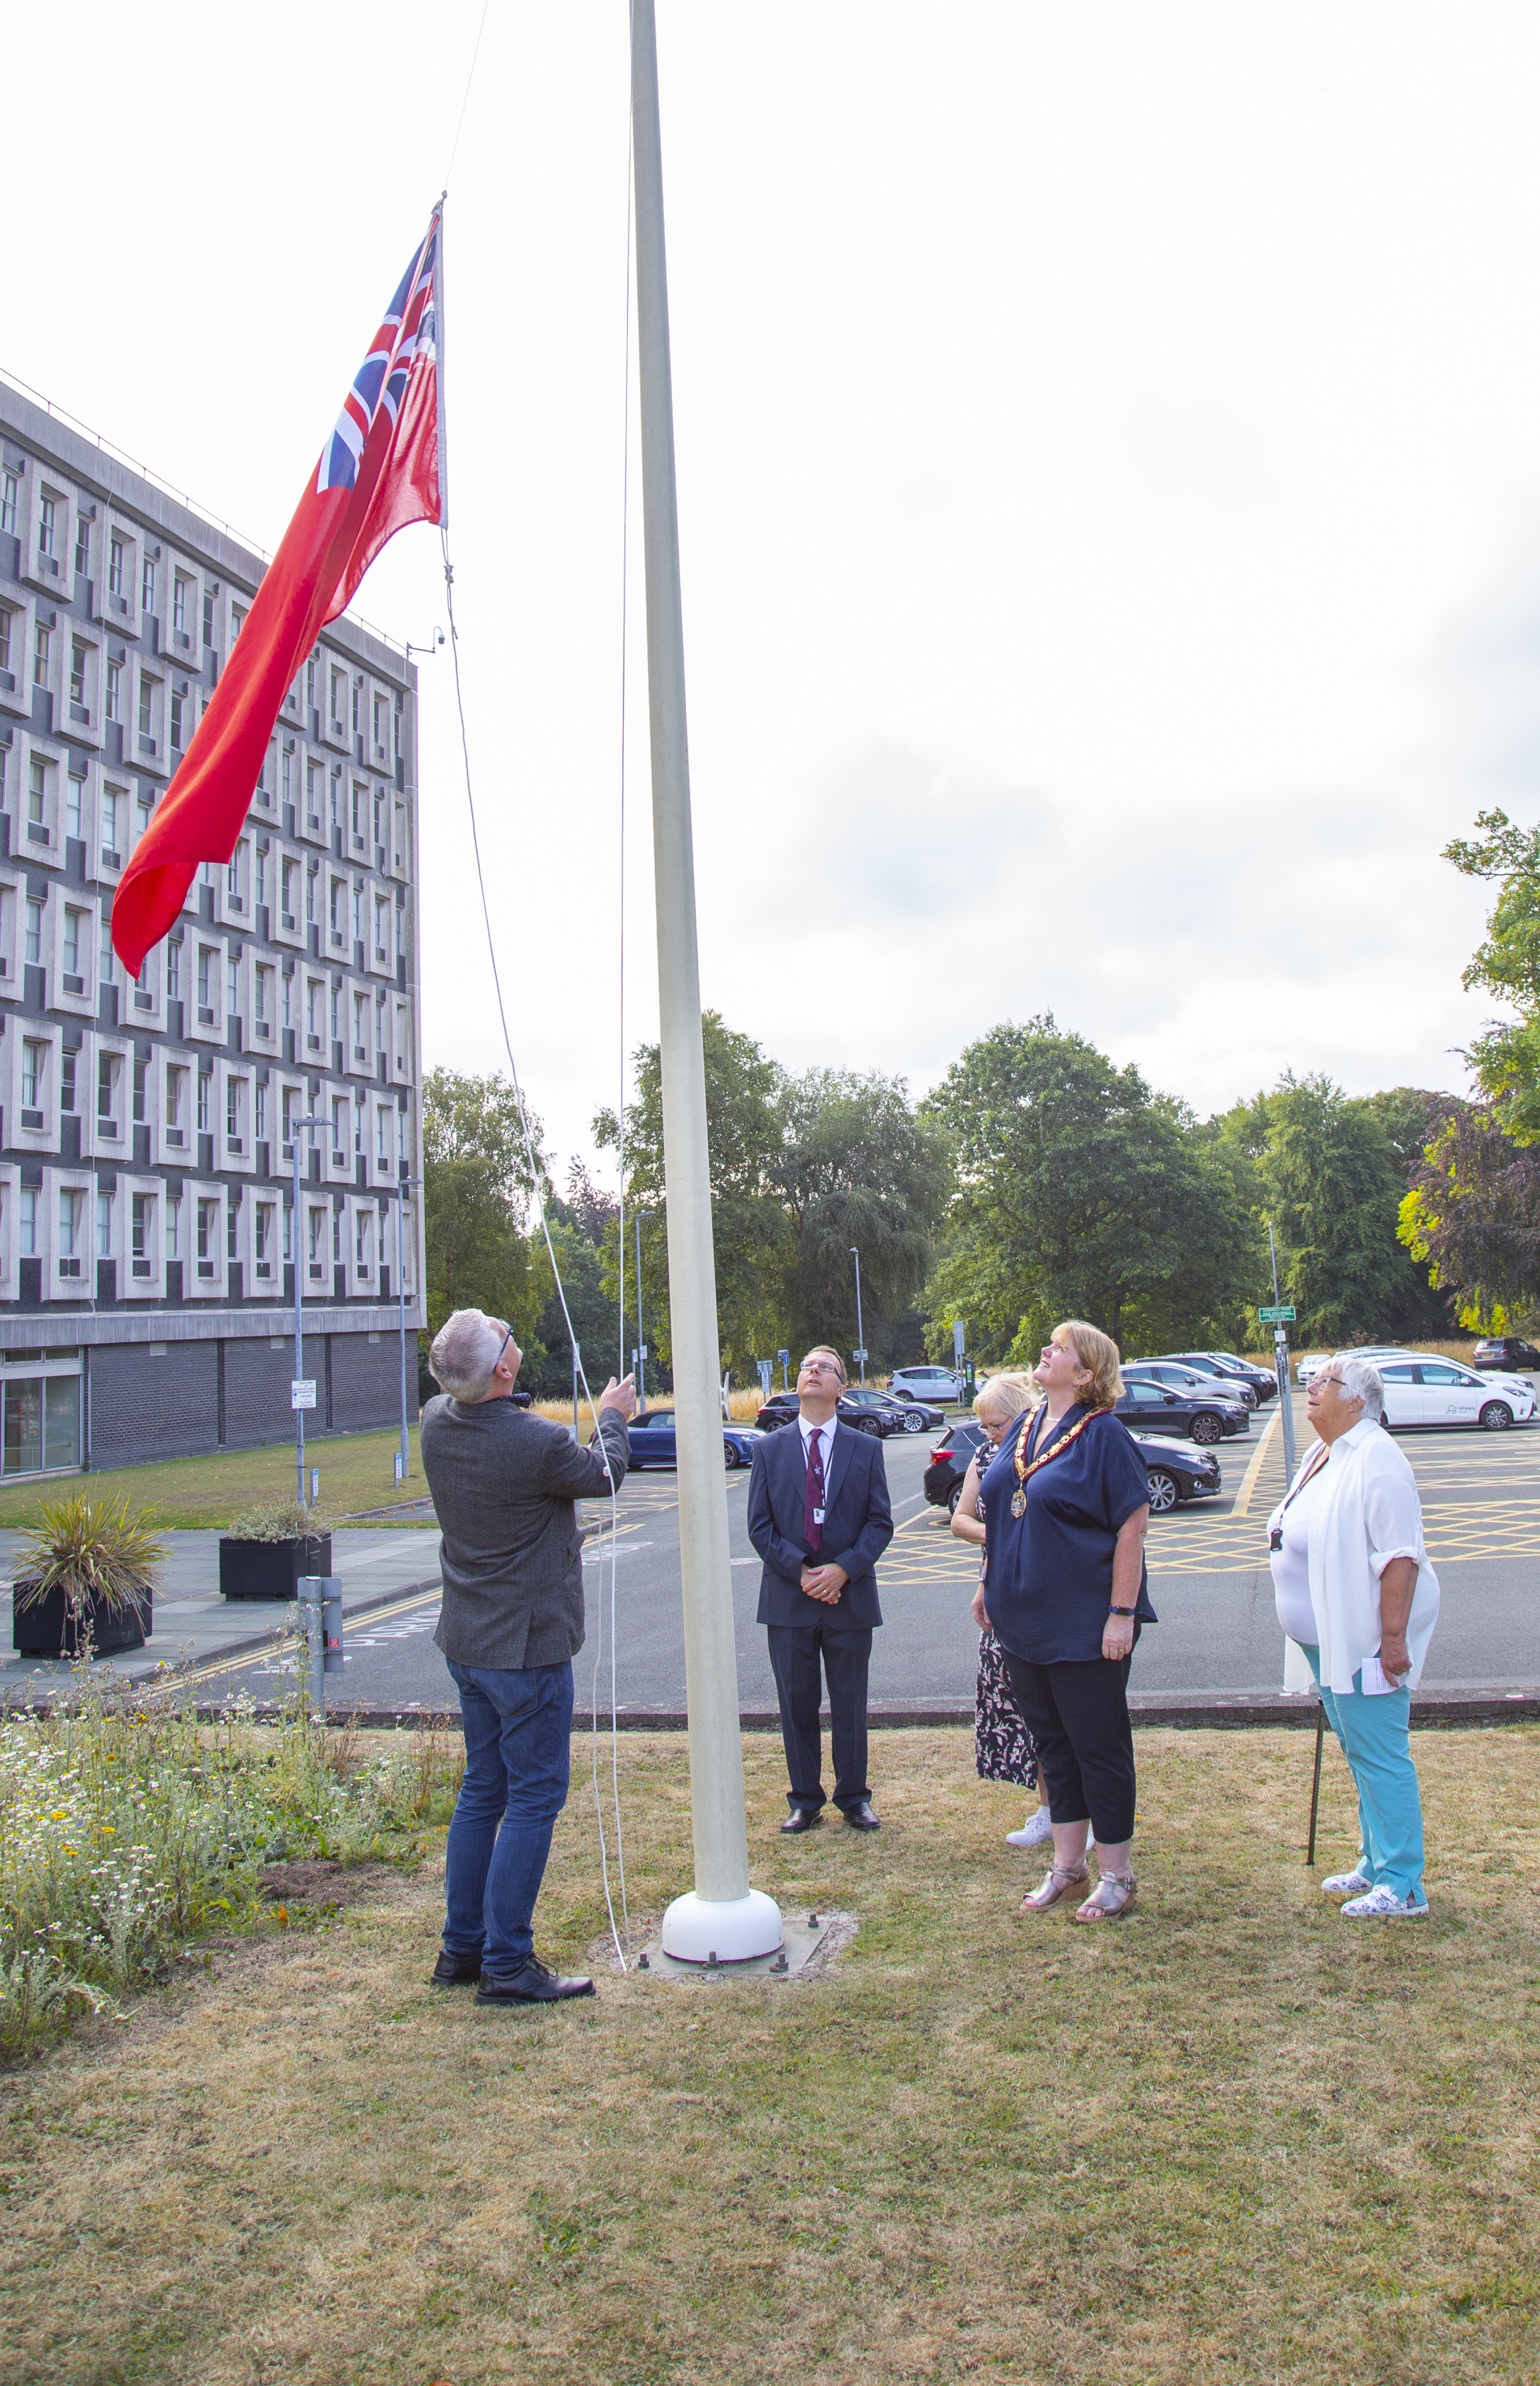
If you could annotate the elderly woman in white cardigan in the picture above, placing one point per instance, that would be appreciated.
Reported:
(1355, 1589)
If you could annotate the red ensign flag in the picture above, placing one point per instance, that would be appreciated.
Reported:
(377, 472)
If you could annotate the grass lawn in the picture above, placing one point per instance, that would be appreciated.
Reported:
(355, 1472)
(1232, 2138)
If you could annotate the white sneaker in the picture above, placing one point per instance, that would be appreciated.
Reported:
(1034, 1834)
(1384, 1904)
(1347, 1884)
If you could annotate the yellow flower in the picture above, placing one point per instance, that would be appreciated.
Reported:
(60, 1815)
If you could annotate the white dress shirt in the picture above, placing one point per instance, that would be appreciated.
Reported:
(826, 1443)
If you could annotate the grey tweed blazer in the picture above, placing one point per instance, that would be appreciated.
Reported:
(504, 1481)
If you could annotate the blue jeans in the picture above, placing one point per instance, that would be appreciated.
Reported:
(1374, 1735)
(517, 1751)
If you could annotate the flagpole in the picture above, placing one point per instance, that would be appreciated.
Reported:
(722, 1919)
(440, 313)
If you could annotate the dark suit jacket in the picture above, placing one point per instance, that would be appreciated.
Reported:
(857, 1526)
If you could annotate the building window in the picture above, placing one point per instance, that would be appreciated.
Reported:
(176, 1085)
(72, 922)
(360, 1027)
(336, 1237)
(142, 1231)
(264, 1238)
(118, 563)
(33, 946)
(232, 1115)
(175, 732)
(140, 1068)
(74, 803)
(173, 1224)
(34, 1062)
(334, 801)
(237, 619)
(107, 1066)
(286, 783)
(261, 874)
(312, 1010)
(357, 913)
(208, 1231)
(147, 704)
(41, 644)
(26, 1222)
(47, 516)
(104, 1225)
(382, 1119)
(339, 1126)
(362, 1245)
(203, 1083)
(359, 794)
(233, 988)
(209, 617)
(82, 544)
(288, 997)
(179, 602)
(259, 1003)
(71, 1205)
(105, 956)
(338, 915)
(206, 998)
(146, 587)
(143, 807)
(290, 880)
(337, 702)
(337, 1007)
(67, 1082)
(110, 821)
(9, 492)
(173, 969)
(37, 800)
(5, 638)
(77, 672)
(115, 691)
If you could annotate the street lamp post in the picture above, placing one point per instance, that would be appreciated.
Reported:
(299, 1315)
(406, 1185)
(860, 1335)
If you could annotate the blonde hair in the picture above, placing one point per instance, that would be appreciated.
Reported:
(1006, 1396)
(823, 1350)
(1097, 1352)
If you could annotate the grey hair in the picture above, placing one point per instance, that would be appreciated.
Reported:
(1361, 1381)
(465, 1352)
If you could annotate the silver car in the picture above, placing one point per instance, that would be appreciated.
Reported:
(925, 1384)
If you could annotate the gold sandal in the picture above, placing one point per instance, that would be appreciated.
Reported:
(1113, 1894)
(1054, 1886)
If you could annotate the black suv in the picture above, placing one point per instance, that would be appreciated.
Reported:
(868, 1412)
(1505, 1351)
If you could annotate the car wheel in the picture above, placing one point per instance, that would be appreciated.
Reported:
(1497, 1416)
(952, 1497)
(1207, 1428)
(731, 1455)
(870, 1426)
(1163, 1491)
(913, 1421)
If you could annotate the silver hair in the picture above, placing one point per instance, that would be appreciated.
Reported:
(1361, 1381)
(465, 1352)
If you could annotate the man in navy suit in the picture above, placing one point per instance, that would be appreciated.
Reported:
(820, 1517)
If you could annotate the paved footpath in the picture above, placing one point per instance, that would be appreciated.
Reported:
(1217, 1644)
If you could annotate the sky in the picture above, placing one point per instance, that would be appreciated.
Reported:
(1108, 449)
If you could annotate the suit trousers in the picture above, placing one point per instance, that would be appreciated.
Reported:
(1078, 1715)
(796, 1650)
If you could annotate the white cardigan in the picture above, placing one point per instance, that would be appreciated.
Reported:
(1363, 1511)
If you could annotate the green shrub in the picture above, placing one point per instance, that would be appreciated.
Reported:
(92, 1545)
(277, 1520)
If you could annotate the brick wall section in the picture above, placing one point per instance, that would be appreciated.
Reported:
(143, 1408)
(366, 1381)
(256, 1391)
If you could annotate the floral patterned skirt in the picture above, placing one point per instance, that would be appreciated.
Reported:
(1004, 1749)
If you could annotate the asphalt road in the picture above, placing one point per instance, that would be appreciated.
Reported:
(1208, 1577)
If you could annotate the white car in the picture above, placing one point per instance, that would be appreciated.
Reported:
(1428, 1390)
(925, 1384)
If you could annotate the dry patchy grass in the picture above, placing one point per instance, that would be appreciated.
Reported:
(1230, 2138)
(354, 1474)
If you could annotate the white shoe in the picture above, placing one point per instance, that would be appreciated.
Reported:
(1347, 1884)
(1384, 1904)
(1034, 1834)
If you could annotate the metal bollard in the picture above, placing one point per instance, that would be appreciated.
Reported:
(320, 1611)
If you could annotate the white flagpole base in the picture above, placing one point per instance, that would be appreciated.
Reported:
(734, 1931)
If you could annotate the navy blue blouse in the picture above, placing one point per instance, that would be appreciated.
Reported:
(1049, 1584)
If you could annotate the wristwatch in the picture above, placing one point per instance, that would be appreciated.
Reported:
(1123, 1611)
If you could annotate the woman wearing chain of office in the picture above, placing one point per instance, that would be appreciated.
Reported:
(1066, 1503)
(1355, 1590)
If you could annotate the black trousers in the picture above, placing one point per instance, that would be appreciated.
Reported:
(794, 1653)
(1078, 1715)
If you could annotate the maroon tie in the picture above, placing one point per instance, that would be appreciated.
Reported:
(812, 1530)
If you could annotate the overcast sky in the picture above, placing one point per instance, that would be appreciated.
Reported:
(1109, 466)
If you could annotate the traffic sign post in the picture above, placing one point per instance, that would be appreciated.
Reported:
(1279, 1316)
(783, 1360)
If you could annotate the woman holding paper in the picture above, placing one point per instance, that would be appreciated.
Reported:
(1355, 1589)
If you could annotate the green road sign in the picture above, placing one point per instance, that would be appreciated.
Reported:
(1277, 1316)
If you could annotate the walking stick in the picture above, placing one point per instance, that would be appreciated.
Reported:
(1315, 1785)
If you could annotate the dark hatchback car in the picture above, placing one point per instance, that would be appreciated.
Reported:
(871, 1413)
(651, 1437)
(1224, 1363)
(1505, 1351)
(1207, 1416)
(1175, 1475)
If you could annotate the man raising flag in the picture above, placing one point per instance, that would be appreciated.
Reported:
(379, 471)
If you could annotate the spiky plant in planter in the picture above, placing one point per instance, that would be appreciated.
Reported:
(83, 1580)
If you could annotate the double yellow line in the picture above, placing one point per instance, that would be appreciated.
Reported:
(369, 1615)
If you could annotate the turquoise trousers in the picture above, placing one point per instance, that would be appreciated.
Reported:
(1376, 1736)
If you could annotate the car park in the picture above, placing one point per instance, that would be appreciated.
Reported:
(925, 1384)
(1505, 1351)
(1176, 1475)
(1227, 1366)
(866, 1411)
(1433, 1391)
(651, 1440)
(1178, 1377)
(1205, 1416)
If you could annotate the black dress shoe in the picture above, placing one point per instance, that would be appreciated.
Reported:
(861, 1818)
(801, 1818)
(454, 1971)
(533, 1984)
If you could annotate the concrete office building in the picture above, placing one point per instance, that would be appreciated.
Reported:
(147, 1241)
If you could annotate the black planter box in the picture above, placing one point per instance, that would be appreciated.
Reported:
(47, 1629)
(269, 1569)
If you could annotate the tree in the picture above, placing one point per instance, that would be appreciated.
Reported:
(749, 1226)
(1082, 1193)
(859, 1166)
(1505, 1056)
(1471, 1216)
(476, 1189)
(1334, 1194)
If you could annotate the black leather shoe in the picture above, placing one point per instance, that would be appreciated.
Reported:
(801, 1818)
(533, 1984)
(454, 1971)
(861, 1818)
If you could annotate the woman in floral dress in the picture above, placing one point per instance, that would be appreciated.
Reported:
(1003, 1749)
